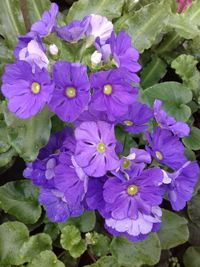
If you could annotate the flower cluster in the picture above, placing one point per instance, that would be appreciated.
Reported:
(84, 166)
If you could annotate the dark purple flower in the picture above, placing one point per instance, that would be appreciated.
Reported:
(166, 148)
(111, 93)
(135, 121)
(132, 205)
(179, 129)
(46, 24)
(74, 31)
(182, 184)
(27, 92)
(124, 55)
(57, 207)
(95, 149)
(71, 94)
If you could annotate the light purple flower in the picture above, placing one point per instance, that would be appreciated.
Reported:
(166, 148)
(27, 92)
(95, 149)
(182, 184)
(34, 55)
(124, 55)
(74, 31)
(135, 121)
(111, 93)
(99, 27)
(46, 24)
(71, 94)
(179, 129)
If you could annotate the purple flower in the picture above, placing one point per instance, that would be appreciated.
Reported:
(74, 31)
(133, 164)
(166, 148)
(179, 129)
(99, 27)
(124, 55)
(135, 121)
(111, 93)
(27, 92)
(57, 207)
(133, 203)
(71, 94)
(95, 149)
(46, 24)
(34, 55)
(182, 184)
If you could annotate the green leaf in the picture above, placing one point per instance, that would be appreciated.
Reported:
(193, 140)
(153, 72)
(101, 245)
(106, 8)
(174, 96)
(19, 198)
(84, 223)
(46, 259)
(136, 253)
(34, 246)
(191, 257)
(52, 229)
(71, 241)
(173, 230)
(145, 24)
(185, 67)
(11, 21)
(28, 136)
(107, 261)
(7, 157)
(12, 237)
(35, 9)
(4, 142)
(193, 209)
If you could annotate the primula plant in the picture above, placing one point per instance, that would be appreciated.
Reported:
(100, 134)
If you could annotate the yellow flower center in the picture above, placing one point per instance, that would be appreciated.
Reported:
(70, 92)
(132, 190)
(107, 89)
(128, 123)
(126, 164)
(35, 88)
(159, 155)
(101, 148)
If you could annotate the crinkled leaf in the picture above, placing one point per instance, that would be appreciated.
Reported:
(34, 246)
(107, 261)
(174, 96)
(19, 198)
(136, 253)
(12, 237)
(71, 241)
(173, 230)
(193, 140)
(4, 142)
(84, 223)
(28, 136)
(191, 257)
(153, 72)
(107, 8)
(185, 67)
(101, 245)
(193, 209)
(46, 259)
(52, 229)
(146, 24)
(7, 157)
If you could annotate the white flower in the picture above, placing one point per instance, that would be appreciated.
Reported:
(53, 49)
